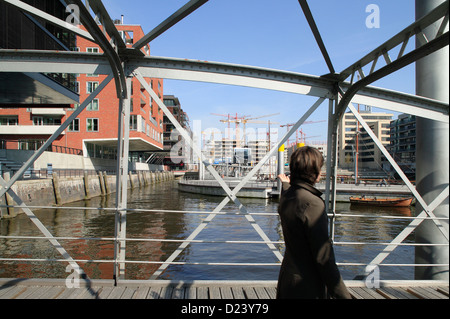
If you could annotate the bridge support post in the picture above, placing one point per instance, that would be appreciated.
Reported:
(122, 183)
(432, 155)
(280, 167)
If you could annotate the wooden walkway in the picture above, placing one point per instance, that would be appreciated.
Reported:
(105, 289)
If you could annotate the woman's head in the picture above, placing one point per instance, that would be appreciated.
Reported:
(306, 163)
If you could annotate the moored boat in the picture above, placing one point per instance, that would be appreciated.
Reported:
(394, 202)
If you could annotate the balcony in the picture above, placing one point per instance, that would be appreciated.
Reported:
(28, 129)
(48, 111)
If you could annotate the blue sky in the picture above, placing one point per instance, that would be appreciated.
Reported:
(271, 34)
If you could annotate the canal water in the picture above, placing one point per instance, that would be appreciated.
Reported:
(99, 223)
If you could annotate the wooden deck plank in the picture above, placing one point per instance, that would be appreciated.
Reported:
(105, 292)
(29, 291)
(5, 290)
(214, 293)
(416, 293)
(128, 293)
(73, 293)
(238, 292)
(261, 293)
(250, 293)
(141, 293)
(166, 292)
(64, 294)
(272, 291)
(202, 293)
(38, 291)
(12, 292)
(154, 293)
(52, 293)
(226, 292)
(405, 293)
(116, 293)
(442, 295)
(373, 293)
(435, 292)
(426, 293)
(364, 293)
(443, 290)
(354, 293)
(178, 293)
(190, 292)
(34, 289)
(389, 293)
(90, 293)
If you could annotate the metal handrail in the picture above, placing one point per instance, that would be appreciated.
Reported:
(115, 260)
(210, 241)
(142, 210)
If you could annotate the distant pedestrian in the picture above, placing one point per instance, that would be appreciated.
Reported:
(308, 269)
(382, 183)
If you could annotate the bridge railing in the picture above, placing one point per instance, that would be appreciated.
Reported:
(115, 258)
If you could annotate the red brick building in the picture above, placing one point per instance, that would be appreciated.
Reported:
(94, 132)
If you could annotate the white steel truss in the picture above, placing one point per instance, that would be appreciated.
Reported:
(121, 64)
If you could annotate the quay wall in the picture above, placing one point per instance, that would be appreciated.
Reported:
(55, 191)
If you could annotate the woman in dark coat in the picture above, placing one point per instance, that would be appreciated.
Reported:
(308, 269)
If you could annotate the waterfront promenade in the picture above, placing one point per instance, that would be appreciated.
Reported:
(163, 289)
(267, 189)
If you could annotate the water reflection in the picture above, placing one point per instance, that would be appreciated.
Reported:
(157, 225)
(370, 229)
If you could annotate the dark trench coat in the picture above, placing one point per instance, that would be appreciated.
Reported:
(308, 269)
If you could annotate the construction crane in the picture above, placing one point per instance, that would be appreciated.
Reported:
(227, 116)
(296, 132)
(243, 120)
(303, 136)
(230, 119)
(252, 120)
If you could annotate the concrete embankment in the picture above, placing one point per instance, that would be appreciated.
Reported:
(55, 191)
(268, 189)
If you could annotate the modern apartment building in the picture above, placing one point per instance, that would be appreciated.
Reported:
(353, 137)
(402, 145)
(176, 153)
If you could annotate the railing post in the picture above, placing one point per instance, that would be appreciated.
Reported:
(122, 183)
(330, 183)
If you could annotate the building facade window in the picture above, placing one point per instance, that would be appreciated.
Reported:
(46, 120)
(30, 145)
(9, 120)
(74, 126)
(92, 125)
(133, 122)
(93, 106)
(38, 120)
(91, 86)
(76, 87)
